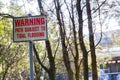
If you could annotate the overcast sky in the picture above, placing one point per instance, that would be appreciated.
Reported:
(31, 6)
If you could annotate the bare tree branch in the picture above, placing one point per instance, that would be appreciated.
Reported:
(96, 9)
(6, 15)
(99, 6)
(39, 61)
(57, 48)
(100, 23)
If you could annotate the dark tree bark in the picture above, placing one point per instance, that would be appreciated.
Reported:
(81, 40)
(51, 70)
(91, 41)
(62, 35)
(76, 55)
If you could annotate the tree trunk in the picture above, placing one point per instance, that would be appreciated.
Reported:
(91, 40)
(77, 68)
(76, 56)
(52, 70)
(81, 40)
(65, 55)
(62, 35)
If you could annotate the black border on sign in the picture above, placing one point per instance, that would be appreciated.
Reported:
(29, 17)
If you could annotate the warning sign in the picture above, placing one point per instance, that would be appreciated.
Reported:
(29, 28)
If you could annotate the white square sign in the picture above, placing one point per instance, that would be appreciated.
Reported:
(29, 28)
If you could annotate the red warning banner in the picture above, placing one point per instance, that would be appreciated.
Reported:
(29, 28)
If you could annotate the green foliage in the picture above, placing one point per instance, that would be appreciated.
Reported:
(13, 56)
(1, 29)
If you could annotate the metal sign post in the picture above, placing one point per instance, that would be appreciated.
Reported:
(30, 28)
(31, 60)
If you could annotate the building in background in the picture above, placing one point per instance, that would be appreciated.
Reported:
(109, 51)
